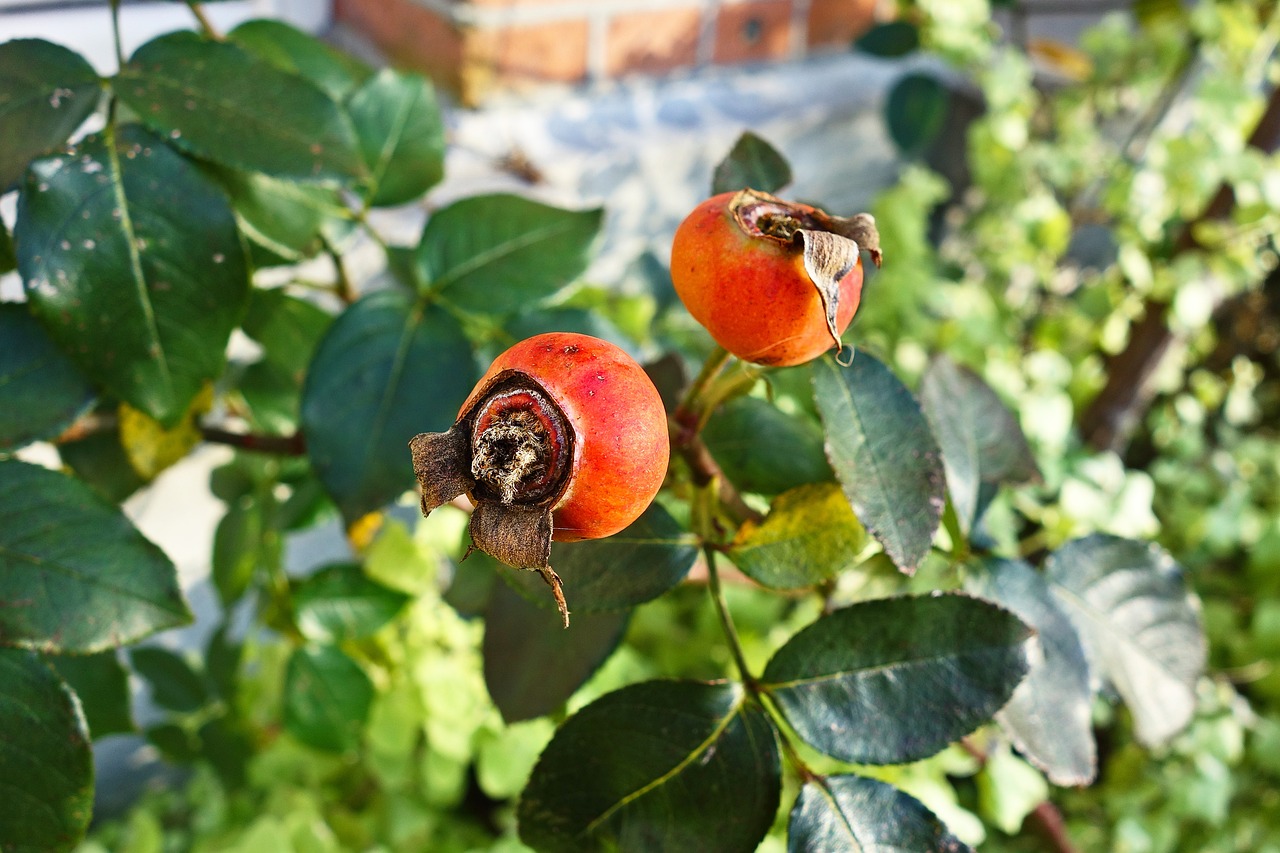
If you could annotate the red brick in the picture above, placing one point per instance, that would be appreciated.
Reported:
(652, 42)
(553, 52)
(410, 35)
(753, 32)
(836, 23)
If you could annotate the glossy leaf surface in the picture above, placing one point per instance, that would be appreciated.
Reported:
(401, 136)
(663, 765)
(870, 684)
(41, 389)
(751, 163)
(863, 815)
(290, 49)
(74, 572)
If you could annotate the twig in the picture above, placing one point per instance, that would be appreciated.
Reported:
(206, 25)
(282, 445)
(693, 450)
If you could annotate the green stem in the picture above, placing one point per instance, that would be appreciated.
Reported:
(115, 32)
(726, 620)
(206, 25)
(690, 409)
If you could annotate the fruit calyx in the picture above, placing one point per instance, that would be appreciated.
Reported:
(511, 451)
(830, 245)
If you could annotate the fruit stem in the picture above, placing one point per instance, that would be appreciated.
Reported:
(726, 620)
(690, 409)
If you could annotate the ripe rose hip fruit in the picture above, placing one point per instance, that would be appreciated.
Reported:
(563, 438)
(774, 282)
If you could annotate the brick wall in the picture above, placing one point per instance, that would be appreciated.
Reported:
(476, 47)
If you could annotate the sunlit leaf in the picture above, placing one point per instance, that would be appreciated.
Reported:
(864, 815)
(809, 535)
(339, 602)
(326, 698)
(291, 49)
(401, 135)
(752, 163)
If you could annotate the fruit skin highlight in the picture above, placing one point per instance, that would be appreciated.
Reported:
(564, 437)
(775, 283)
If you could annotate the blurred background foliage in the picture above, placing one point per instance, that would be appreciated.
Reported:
(1059, 226)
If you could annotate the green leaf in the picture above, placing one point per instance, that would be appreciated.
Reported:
(898, 679)
(326, 698)
(192, 90)
(496, 254)
(866, 815)
(628, 568)
(340, 602)
(46, 767)
(1140, 627)
(102, 686)
(981, 439)
(285, 217)
(1050, 716)
(915, 111)
(1009, 789)
(46, 92)
(389, 368)
(41, 390)
(751, 163)
(8, 259)
(244, 543)
(99, 460)
(743, 436)
(883, 453)
(75, 576)
(290, 49)
(663, 765)
(289, 330)
(532, 665)
(890, 39)
(809, 535)
(401, 136)
(174, 684)
(132, 262)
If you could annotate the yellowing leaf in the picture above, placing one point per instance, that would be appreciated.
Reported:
(362, 531)
(809, 535)
(149, 447)
(1061, 59)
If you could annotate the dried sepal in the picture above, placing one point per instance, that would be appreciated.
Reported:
(442, 463)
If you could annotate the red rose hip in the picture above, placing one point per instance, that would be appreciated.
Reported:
(563, 438)
(774, 282)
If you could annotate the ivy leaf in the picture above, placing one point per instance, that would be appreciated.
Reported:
(47, 91)
(883, 453)
(174, 684)
(864, 815)
(1050, 716)
(743, 436)
(896, 680)
(192, 91)
(981, 440)
(340, 602)
(1140, 627)
(401, 136)
(75, 576)
(46, 766)
(532, 665)
(102, 686)
(496, 254)
(751, 163)
(133, 264)
(388, 368)
(633, 566)
(41, 389)
(290, 49)
(327, 697)
(663, 765)
(809, 535)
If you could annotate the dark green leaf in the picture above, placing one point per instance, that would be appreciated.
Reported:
(656, 766)
(222, 658)
(245, 542)
(388, 369)
(752, 163)
(326, 698)
(867, 816)
(290, 49)
(628, 568)
(915, 111)
(132, 262)
(1140, 626)
(883, 453)
(46, 767)
(99, 460)
(532, 665)
(340, 602)
(285, 217)
(289, 330)
(41, 390)
(890, 39)
(1049, 718)
(103, 687)
(744, 435)
(174, 684)
(227, 743)
(496, 254)
(175, 742)
(809, 535)
(980, 437)
(401, 136)
(896, 680)
(46, 92)
(193, 91)
(75, 576)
